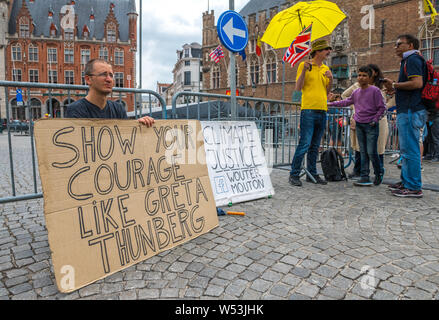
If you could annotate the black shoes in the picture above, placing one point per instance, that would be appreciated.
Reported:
(378, 179)
(295, 181)
(318, 180)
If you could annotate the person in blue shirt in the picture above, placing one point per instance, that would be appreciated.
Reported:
(411, 114)
(100, 79)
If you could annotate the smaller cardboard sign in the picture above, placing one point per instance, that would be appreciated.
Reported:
(237, 168)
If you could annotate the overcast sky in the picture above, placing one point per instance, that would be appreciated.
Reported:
(167, 26)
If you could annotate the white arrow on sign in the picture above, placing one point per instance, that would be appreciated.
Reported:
(230, 31)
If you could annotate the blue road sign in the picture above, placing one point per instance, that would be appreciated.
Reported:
(19, 97)
(232, 31)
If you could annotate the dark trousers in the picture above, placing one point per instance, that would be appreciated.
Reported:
(357, 162)
(367, 139)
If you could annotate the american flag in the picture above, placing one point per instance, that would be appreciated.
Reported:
(217, 54)
(300, 47)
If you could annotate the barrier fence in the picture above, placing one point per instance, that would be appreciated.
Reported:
(20, 170)
(278, 123)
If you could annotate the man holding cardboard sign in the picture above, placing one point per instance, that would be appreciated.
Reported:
(100, 78)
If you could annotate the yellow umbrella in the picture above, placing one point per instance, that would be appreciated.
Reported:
(287, 24)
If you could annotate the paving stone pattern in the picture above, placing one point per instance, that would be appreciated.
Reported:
(316, 242)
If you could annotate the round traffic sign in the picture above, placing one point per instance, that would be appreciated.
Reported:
(232, 31)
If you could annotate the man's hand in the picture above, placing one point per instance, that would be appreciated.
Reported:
(307, 66)
(388, 84)
(147, 121)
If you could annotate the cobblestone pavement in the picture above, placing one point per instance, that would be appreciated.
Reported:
(316, 242)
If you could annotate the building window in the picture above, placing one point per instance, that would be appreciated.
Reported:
(430, 49)
(103, 54)
(215, 77)
(16, 53)
(187, 63)
(339, 67)
(111, 33)
(271, 70)
(118, 77)
(16, 74)
(187, 78)
(85, 56)
(254, 71)
(186, 53)
(53, 76)
(83, 78)
(118, 57)
(69, 76)
(33, 75)
(52, 55)
(68, 55)
(33, 54)
(24, 28)
(68, 35)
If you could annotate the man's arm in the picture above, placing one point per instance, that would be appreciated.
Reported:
(301, 80)
(413, 83)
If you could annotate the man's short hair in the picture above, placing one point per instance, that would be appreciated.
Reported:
(366, 69)
(410, 40)
(89, 67)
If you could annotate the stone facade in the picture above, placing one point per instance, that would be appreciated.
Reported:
(367, 35)
(48, 46)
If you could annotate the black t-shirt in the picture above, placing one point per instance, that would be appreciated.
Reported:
(85, 109)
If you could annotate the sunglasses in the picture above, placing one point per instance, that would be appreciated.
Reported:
(399, 43)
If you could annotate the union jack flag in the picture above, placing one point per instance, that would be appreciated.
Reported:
(300, 47)
(217, 54)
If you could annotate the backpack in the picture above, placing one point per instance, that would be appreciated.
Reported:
(430, 90)
(333, 165)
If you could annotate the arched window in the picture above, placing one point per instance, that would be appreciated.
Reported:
(430, 43)
(35, 107)
(111, 32)
(216, 77)
(271, 68)
(254, 70)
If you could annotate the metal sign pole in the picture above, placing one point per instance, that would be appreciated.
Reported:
(232, 75)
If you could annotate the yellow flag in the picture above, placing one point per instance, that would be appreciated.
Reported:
(429, 9)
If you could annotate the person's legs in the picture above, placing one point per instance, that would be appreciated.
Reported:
(434, 132)
(306, 134)
(362, 141)
(313, 151)
(409, 125)
(372, 151)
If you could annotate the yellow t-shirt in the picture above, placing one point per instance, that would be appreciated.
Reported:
(314, 93)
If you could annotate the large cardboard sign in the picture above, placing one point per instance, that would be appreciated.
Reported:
(237, 167)
(117, 192)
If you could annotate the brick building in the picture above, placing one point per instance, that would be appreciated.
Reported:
(367, 35)
(50, 41)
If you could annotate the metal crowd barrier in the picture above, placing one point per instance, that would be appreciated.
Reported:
(278, 121)
(31, 186)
